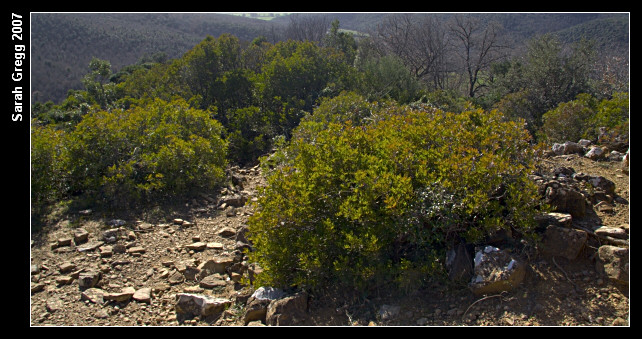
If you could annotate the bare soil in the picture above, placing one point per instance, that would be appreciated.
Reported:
(556, 292)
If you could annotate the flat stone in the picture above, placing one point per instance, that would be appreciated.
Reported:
(95, 295)
(61, 242)
(214, 246)
(111, 235)
(66, 267)
(124, 295)
(289, 311)
(90, 246)
(197, 246)
(37, 287)
(614, 232)
(211, 281)
(143, 295)
(136, 249)
(176, 278)
(216, 265)
(64, 280)
(54, 305)
(227, 232)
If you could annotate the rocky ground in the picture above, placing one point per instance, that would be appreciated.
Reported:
(92, 270)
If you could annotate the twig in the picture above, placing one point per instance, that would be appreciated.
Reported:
(482, 299)
(566, 275)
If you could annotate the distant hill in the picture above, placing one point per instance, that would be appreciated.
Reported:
(63, 44)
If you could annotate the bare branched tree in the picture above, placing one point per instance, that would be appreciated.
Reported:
(307, 27)
(477, 47)
(421, 42)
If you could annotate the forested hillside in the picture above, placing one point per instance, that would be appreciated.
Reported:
(64, 43)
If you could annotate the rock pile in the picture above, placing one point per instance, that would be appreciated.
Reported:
(573, 197)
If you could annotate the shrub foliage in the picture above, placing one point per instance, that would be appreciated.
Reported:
(359, 203)
(153, 150)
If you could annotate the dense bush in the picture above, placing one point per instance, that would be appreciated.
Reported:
(49, 165)
(614, 115)
(569, 120)
(154, 150)
(583, 117)
(362, 203)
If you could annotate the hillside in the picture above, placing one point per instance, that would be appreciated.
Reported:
(63, 44)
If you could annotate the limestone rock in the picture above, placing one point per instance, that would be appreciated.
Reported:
(565, 199)
(88, 279)
(227, 232)
(211, 281)
(110, 236)
(214, 246)
(196, 305)
(615, 232)
(80, 236)
(176, 278)
(216, 265)
(584, 142)
(136, 250)
(256, 308)
(603, 183)
(197, 246)
(37, 287)
(615, 156)
(95, 295)
(124, 295)
(595, 153)
(235, 200)
(555, 219)
(496, 271)
(289, 311)
(568, 147)
(62, 242)
(563, 242)
(614, 262)
(106, 251)
(143, 295)
(89, 246)
(64, 280)
(66, 267)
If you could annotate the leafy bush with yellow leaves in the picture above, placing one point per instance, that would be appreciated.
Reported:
(363, 203)
(154, 150)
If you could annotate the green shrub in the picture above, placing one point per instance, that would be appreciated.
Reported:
(49, 165)
(155, 150)
(366, 203)
(613, 114)
(582, 118)
(569, 121)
